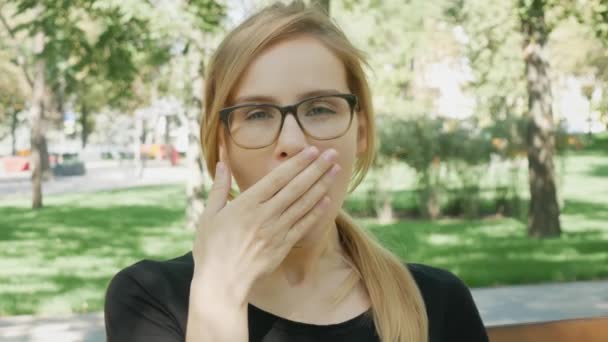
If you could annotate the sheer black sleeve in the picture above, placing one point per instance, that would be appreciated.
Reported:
(134, 311)
(463, 322)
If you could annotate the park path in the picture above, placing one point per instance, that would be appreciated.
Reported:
(499, 305)
(100, 176)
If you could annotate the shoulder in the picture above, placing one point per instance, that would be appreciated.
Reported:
(149, 298)
(152, 274)
(449, 304)
(439, 287)
(433, 279)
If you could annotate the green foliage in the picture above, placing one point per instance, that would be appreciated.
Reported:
(435, 148)
(95, 50)
(13, 94)
(493, 49)
(207, 14)
(402, 40)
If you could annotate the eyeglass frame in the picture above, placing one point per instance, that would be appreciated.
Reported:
(352, 100)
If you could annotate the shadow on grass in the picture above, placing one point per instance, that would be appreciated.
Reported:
(599, 170)
(99, 222)
(586, 210)
(70, 294)
(497, 251)
(60, 259)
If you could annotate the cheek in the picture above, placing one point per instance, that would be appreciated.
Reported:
(347, 159)
(246, 169)
(348, 151)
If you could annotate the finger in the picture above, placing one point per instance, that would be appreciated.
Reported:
(301, 183)
(220, 190)
(266, 187)
(295, 233)
(307, 201)
(223, 154)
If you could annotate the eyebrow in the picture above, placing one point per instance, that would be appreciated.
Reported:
(272, 99)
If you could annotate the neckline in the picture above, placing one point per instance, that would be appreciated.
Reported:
(283, 323)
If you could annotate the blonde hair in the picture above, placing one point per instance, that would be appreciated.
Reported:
(397, 306)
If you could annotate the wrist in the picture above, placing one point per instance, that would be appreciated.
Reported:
(211, 289)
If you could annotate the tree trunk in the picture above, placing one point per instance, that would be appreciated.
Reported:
(37, 140)
(195, 187)
(167, 138)
(84, 116)
(384, 203)
(543, 217)
(428, 196)
(138, 140)
(14, 124)
(386, 214)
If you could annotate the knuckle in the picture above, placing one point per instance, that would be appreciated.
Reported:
(264, 243)
(297, 210)
(285, 219)
(324, 184)
(298, 229)
(279, 180)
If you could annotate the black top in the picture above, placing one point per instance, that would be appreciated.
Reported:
(148, 302)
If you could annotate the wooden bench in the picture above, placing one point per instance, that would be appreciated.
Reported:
(570, 330)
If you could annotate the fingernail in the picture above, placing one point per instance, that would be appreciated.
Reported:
(329, 155)
(311, 152)
(334, 170)
(219, 168)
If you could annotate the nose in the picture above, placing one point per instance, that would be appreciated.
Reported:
(291, 139)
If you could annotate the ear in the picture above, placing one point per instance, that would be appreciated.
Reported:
(362, 128)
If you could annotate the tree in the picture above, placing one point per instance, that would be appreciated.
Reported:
(206, 16)
(402, 40)
(538, 18)
(13, 90)
(494, 29)
(63, 49)
(597, 17)
(543, 216)
(193, 38)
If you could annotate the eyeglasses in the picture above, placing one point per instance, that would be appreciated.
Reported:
(325, 117)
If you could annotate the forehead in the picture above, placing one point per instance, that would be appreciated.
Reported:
(290, 68)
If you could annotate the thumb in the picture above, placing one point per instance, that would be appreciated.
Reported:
(221, 188)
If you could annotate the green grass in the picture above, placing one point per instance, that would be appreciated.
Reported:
(596, 142)
(498, 252)
(59, 259)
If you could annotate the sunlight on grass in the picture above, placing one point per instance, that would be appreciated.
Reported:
(501, 229)
(77, 300)
(28, 288)
(60, 259)
(445, 240)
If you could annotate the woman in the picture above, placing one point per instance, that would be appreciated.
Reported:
(288, 114)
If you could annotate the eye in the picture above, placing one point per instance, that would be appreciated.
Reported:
(320, 110)
(258, 114)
